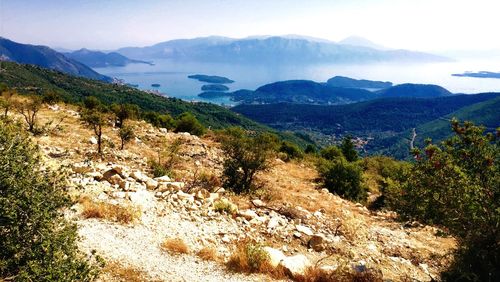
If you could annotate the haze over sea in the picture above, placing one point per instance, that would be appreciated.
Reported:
(172, 75)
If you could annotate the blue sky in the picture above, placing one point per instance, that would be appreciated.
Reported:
(106, 24)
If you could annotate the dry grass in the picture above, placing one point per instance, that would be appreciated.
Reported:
(114, 271)
(208, 253)
(175, 246)
(116, 213)
(341, 274)
(250, 257)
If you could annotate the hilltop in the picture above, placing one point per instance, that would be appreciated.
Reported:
(97, 59)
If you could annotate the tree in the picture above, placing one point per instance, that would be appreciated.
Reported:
(160, 120)
(188, 123)
(348, 149)
(123, 112)
(6, 96)
(29, 110)
(51, 97)
(126, 134)
(310, 149)
(343, 178)
(245, 156)
(36, 242)
(457, 184)
(94, 117)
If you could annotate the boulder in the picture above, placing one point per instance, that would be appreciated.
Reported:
(275, 256)
(296, 265)
(273, 222)
(258, 203)
(141, 198)
(115, 179)
(93, 140)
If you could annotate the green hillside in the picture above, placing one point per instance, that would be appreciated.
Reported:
(485, 113)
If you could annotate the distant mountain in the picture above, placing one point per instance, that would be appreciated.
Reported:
(287, 49)
(381, 115)
(97, 59)
(362, 42)
(415, 91)
(302, 91)
(45, 57)
(347, 82)
(479, 74)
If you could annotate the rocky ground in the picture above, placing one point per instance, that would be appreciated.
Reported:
(301, 224)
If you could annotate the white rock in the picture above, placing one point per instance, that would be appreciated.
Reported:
(258, 203)
(185, 196)
(273, 223)
(151, 184)
(141, 198)
(248, 214)
(139, 176)
(296, 265)
(275, 256)
(93, 140)
(304, 229)
(164, 178)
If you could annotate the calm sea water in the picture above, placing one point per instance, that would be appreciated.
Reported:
(172, 76)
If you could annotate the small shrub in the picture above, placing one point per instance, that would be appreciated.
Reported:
(341, 274)
(116, 213)
(249, 257)
(126, 134)
(208, 253)
(225, 206)
(175, 246)
(331, 153)
(310, 149)
(159, 170)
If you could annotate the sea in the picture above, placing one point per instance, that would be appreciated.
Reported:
(172, 76)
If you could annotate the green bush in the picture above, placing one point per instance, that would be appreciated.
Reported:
(123, 112)
(160, 120)
(245, 156)
(348, 149)
(343, 178)
(457, 184)
(331, 153)
(36, 242)
(291, 150)
(188, 123)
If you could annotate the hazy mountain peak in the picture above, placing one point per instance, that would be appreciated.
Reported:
(362, 42)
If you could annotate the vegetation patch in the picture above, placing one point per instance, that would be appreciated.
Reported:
(107, 211)
(175, 246)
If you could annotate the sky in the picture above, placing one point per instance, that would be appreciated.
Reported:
(425, 25)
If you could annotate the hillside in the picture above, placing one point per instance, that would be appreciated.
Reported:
(45, 57)
(172, 228)
(97, 59)
(347, 82)
(415, 91)
(485, 113)
(271, 49)
(388, 114)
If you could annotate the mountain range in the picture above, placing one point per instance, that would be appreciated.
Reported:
(98, 59)
(278, 49)
(46, 57)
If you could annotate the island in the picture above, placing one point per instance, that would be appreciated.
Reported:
(211, 78)
(480, 74)
(214, 87)
(347, 82)
(155, 85)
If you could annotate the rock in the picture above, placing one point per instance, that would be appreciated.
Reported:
(185, 196)
(164, 178)
(141, 198)
(247, 214)
(296, 265)
(273, 223)
(108, 174)
(324, 191)
(115, 179)
(139, 176)
(258, 203)
(163, 130)
(275, 256)
(151, 184)
(120, 195)
(304, 229)
(95, 175)
(81, 168)
(93, 140)
(317, 243)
